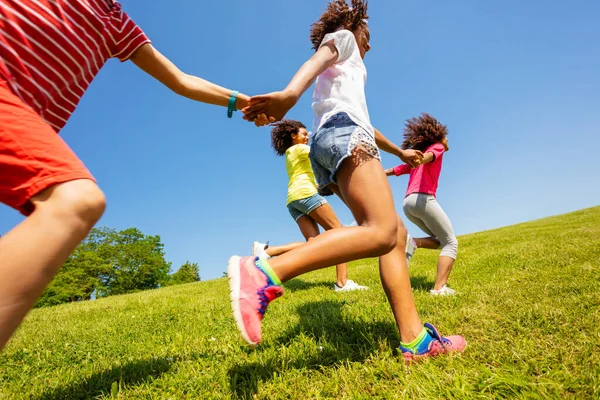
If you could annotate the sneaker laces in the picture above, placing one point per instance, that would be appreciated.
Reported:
(433, 332)
(263, 300)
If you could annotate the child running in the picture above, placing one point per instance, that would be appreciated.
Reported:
(50, 51)
(426, 134)
(306, 206)
(346, 161)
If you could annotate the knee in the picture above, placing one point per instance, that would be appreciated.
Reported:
(81, 203)
(385, 237)
(450, 247)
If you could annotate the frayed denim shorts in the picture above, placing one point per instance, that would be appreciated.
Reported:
(332, 144)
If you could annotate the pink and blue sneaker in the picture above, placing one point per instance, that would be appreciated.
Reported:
(251, 292)
(433, 344)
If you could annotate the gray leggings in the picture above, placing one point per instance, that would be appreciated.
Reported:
(424, 211)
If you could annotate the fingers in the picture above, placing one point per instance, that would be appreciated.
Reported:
(254, 106)
(261, 98)
(262, 119)
(251, 116)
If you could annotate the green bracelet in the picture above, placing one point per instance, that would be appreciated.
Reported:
(231, 108)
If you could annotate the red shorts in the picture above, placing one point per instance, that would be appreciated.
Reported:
(33, 157)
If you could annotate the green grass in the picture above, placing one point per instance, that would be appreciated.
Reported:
(529, 306)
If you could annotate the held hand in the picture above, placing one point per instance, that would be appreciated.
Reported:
(275, 104)
(413, 158)
(262, 120)
(243, 101)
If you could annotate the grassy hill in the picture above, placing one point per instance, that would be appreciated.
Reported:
(529, 306)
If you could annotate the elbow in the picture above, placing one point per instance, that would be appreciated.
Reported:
(179, 85)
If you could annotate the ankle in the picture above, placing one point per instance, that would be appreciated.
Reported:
(409, 335)
(265, 267)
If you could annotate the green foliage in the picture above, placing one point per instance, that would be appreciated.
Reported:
(187, 273)
(77, 279)
(109, 262)
(528, 304)
(137, 262)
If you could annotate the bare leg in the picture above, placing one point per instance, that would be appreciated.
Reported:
(325, 216)
(366, 191)
(309, 229)
(33, 251)
(275, 251)
(444, 268)
(431, 243)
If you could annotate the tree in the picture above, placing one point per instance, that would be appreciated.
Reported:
(137, 262)
(77, 279)
(187, 273)
(107, 263)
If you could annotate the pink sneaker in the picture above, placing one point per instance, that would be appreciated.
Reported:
(251, 293)
(438, 346)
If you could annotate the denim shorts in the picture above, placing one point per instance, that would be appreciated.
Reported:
(299, 208)
(332, 144)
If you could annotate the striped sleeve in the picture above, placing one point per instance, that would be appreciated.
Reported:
(127, 37)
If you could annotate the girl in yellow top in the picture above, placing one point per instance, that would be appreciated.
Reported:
(308, 208)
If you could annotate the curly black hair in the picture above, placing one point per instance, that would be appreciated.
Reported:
(339, 15)
(281, 134)
(423, 131)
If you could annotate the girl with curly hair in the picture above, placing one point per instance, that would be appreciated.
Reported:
(428, 135)
(308, 208)
(345, 159)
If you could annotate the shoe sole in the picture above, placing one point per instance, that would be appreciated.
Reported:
(233, 273)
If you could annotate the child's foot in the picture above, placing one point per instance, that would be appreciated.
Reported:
(433, 344)
(411, 247)
(260, 250)
(251, 293)
(349, 286)
(444, 291)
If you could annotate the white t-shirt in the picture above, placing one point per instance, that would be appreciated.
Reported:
(341, 87)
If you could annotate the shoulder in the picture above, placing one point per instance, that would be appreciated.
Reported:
(295, 149)
(341, 35)
(437, 148)
(344, 42)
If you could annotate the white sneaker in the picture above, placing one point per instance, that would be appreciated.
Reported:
(411, 247)
(349, 286)
(444, 291)
(259, 250)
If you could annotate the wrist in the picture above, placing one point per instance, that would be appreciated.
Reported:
(232, 103)
(291, 96)
(241, 101)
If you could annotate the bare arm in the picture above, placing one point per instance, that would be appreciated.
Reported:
(325, 57)
(162, 69)
(277, 104)
(411, 157)
(428, 157)
(389, 171)
(386, 145)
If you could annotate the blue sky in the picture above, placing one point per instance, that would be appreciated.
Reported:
(517, 83)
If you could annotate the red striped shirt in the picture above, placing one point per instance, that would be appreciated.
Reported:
(51, 50)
